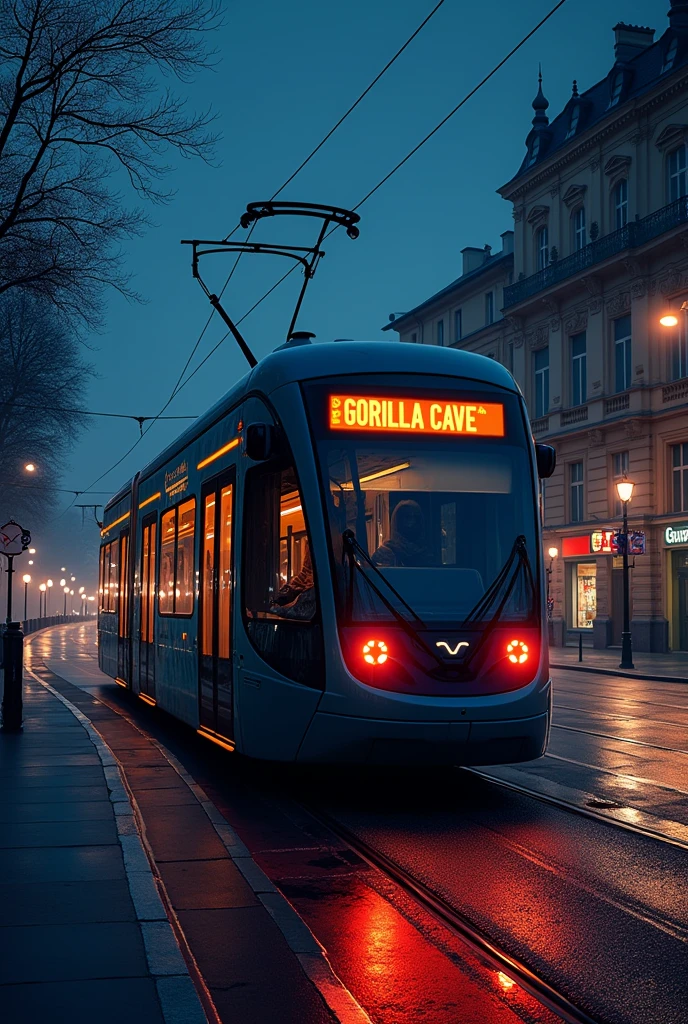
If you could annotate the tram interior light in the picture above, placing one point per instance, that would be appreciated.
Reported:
(375, 652)
(517, 652)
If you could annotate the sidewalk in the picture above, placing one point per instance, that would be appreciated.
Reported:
(83, 936)
(657, 667)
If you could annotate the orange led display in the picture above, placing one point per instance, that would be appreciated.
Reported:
(416, 415)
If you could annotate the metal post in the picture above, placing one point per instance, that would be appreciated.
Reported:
(26, 598)
(580, 646)
(13, 672)
(10, 573)
(626, 645)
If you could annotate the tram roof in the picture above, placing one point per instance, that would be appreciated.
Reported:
(294, 363)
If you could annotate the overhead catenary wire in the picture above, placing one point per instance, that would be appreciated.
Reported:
(91, 412)
(397, 167)
(178, 385)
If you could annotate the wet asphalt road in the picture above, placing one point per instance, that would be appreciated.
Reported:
(599, 912)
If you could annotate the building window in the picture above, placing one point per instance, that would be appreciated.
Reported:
(534, 151)
(622, 353)
(541, 368)
(458, 326)
(679, 477)
(489, 308)
(542, 245)
(678, 349)
(621, 204)
(617, 88)
(670, 55)
(573, 123)
(579, 233)
(578, 369)
(440, 332)
(584, 594)
(177, 576)
(676, 173)
(619, 471)
(576, 491)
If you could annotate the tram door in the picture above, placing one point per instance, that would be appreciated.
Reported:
(123, 608)
(147, 619)
(215, 606)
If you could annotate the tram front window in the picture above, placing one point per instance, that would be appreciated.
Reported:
(439, 519)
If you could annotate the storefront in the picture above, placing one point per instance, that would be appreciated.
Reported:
(593, 586)
(676, 544)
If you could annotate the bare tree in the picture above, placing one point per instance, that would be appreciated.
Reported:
(83, 106)
(42, 384)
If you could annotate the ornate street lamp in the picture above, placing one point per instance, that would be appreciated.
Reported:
(624, 489)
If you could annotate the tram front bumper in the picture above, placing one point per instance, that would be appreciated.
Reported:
(342, 739)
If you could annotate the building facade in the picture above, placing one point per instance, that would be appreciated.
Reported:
(600, 255)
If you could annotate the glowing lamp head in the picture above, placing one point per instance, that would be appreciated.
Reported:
(553, 552)
(66, 589)
(517, 652)
(32, 551)
(26, 578)
(62, 582)
(670, 320)
(30, 468)
(81, 589)
(42, 588)
(375, 652)
(50, 583)
(624, 489)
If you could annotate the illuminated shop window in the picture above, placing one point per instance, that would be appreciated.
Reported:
(584, 595)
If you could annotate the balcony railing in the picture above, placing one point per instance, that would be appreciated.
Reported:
(670, 392)
(576, 415)
(616, 404)
(631, 236)
(540, 426)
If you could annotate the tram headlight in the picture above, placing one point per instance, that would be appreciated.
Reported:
(517, 652)
(375, 652)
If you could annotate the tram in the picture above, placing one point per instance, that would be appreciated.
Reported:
(340, 562)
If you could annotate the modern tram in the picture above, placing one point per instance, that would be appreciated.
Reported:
(340, 562)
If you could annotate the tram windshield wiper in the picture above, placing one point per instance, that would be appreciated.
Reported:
(516, 565)
(352, 548)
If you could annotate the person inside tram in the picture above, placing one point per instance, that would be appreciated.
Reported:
(406, 544)
(296, 599)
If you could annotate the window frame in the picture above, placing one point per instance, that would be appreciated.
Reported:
(489, 308)
(677, 349)
(579, 369)
(148, 601)
(577, 486)
(679, 472)
(175, 508)
(573, 121)
(670, 54)
(627, 354)
(534, 151)
(458, 324)
(439, 332)
(620, 204)
(579, 228)
(123, 595)
(540, 248)
(679, 176)
(543, 374)
(616, 89)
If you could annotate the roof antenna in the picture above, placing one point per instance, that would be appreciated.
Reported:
(307, 256)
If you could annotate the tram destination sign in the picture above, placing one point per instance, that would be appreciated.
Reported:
(410, 415)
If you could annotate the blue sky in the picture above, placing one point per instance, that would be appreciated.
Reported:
(286, 73)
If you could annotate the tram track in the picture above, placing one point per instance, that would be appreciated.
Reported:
(480, 944)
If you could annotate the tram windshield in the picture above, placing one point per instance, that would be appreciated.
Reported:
(439, 517)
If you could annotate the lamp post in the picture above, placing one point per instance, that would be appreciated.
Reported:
(552, 552)
(27, 579)
(41, 600)
(66, 591)
(50, 584)
(624, 489)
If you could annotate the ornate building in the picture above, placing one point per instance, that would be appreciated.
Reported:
(600, 254)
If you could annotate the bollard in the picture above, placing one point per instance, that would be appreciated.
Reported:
(580, 646)
(13, 672)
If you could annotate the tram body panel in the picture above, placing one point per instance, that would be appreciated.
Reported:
(290, 692)
(113, 590)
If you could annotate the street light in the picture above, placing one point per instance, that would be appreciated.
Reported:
(624, 489)
(32, 551)
(50, 583)
(27, 579)
(62, 582)
(72, 578)
(30, 468)
(66, 591)
(42, 589)
(81, 589)
(552, 552)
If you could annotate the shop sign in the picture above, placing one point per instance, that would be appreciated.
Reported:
(676, 534)
(603, 542)
(606, 542)
(636, 543)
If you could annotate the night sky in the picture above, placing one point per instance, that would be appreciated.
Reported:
(285, 74)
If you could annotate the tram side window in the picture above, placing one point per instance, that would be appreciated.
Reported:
(176, 586)
(109, 572)
(123, 595)
(280, 600)
(148, 581)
